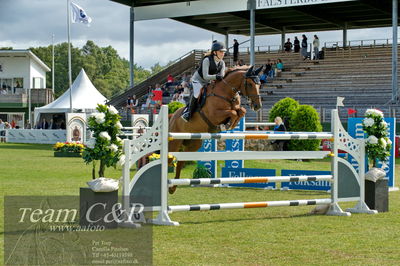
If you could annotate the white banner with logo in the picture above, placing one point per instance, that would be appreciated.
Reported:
(37, 136)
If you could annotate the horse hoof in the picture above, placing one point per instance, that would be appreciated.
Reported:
(171, 190)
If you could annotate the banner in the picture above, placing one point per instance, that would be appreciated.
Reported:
(306, 185)
(249, 172)
(37, 136)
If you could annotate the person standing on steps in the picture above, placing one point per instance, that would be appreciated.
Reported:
(211, 68)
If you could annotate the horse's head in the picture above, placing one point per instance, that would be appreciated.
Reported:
(252, 87)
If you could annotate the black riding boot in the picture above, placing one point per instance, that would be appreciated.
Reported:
(189, 110)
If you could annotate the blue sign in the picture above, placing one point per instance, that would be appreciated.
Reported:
(306, 185)
(209, 145)
(249, 172)
(354, 127)
(233, 145)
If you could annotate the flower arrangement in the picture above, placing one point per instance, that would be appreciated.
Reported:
(156, 156)
(105, 146)
(378, 144)
(74, 147)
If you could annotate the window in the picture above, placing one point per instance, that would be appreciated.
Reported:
(38, 83)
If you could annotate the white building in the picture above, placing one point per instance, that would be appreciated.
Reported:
(22, 74)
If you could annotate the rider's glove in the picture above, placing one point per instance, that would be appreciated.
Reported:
(218, 77)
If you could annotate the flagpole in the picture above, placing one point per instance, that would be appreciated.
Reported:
(52, 65)
(69, 54)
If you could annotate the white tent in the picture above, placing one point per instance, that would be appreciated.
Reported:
(85, 98)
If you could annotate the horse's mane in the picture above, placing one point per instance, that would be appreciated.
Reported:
(235, 69)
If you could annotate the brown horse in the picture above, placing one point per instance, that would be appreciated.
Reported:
(222, 107)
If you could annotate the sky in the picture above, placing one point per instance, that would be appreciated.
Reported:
(31, 23)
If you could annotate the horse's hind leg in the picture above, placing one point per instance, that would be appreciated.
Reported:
(178, 170)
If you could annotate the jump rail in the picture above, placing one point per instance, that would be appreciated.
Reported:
(149, 186)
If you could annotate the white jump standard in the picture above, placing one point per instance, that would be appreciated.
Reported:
(149, 186)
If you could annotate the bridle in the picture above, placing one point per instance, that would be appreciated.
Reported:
(236, 91)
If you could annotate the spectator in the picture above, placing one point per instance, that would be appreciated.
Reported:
(158, 87)
(170, 80)
(273, 68)
(268, 69)
(263, 77)
(43, 124)
(304, 46)
(2, 131)
(296, 45)
(279, 67)
(27, 125)
(3, 91)
(235, 51)
(316, 47)
(240, 62)
(279, 126)
(288, 46)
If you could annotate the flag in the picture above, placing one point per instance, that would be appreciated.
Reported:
(351, 111)
(78, 15)
(339, 101)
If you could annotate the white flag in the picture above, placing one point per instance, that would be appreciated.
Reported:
(339, 101)
(79, 15)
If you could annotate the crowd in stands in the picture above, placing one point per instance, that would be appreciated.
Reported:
(272, 69)
(174, 89)
(302, 47)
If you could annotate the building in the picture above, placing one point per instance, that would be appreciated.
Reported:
(22, 85)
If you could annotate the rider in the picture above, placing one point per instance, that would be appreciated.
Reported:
(211, 68)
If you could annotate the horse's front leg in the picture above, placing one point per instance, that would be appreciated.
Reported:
(241, 112)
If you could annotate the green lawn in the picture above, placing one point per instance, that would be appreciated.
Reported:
(270, 236)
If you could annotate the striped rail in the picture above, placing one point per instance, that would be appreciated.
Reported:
(246, 205)
(228, 180)
(223, 136)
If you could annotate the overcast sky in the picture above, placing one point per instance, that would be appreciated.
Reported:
(27, 23)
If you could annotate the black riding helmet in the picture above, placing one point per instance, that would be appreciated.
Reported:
(218, 46)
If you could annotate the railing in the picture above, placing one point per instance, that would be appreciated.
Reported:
(38, 96)
(330, 44)
(360, 43)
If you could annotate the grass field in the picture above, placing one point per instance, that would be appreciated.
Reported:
(270, 236)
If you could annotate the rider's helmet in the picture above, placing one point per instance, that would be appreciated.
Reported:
(218, 46)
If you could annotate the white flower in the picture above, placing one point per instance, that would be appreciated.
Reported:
(374, 112)
(388, 141)
(91, 143)
(99, 117)
(384, 124)
(112, 110)
(118, 125)
(104, 135)
(119, 139)
(368, 122)
(121, 160)
(372, 140)
(113, 147)
(382, 142)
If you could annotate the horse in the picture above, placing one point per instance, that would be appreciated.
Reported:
(222, 107)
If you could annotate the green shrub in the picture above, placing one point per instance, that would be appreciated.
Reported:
(305, 119)
(285, 108)
(173, 106)
(201, 172)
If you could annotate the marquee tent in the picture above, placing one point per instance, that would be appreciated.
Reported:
(85, 98)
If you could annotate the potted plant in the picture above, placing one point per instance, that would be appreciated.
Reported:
(103, 150)
(68, 149)
(377, 147)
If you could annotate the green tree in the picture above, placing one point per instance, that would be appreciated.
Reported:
(284, 108)
(305, 119)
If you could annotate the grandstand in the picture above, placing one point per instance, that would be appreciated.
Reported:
(361, 74)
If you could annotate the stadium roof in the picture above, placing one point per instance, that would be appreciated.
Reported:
(271, 16)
